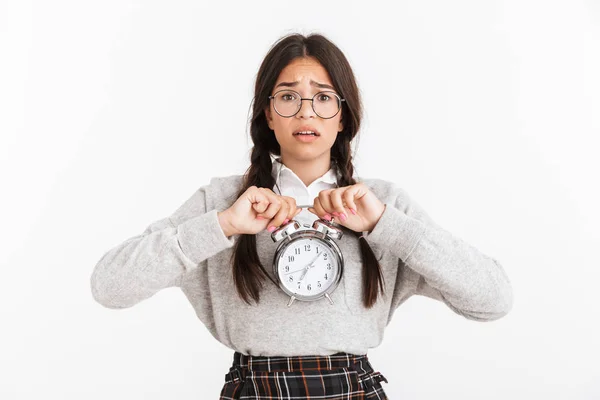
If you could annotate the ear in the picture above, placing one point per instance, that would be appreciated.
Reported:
(268, 117)
(341, 126)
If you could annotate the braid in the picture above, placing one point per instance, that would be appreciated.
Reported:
(248, 272)
(259, 174)
(373, 281)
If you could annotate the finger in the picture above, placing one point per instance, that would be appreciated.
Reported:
(279, 217)
(268, 191)
(259, 201)
(319, 210)
(349, 199)
(272, 203)
(325, 201)
(335, 197)
(272, 209)
(293, 209)
(290, 202)
(298, 211)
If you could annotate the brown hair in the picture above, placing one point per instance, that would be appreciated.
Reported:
(248, 271)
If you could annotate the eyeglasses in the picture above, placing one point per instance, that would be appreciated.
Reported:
(287, 103)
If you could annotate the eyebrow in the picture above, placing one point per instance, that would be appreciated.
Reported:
(293, 84)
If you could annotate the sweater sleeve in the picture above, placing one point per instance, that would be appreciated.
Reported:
(159, 257)
(469, 282)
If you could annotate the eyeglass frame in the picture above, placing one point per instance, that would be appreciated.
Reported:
(312, 102)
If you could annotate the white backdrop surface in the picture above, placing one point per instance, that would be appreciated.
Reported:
(112, 113)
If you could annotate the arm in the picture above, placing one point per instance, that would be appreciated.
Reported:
(158, 258)
(469, 282)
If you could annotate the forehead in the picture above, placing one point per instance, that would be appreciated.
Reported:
(303, 70)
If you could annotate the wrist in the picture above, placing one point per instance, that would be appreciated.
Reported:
(225, 222)
(377, 220)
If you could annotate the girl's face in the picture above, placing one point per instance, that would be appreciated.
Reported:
(307, 77)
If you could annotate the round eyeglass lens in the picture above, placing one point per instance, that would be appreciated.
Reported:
(325, 104)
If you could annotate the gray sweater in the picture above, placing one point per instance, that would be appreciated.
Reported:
(189, 250)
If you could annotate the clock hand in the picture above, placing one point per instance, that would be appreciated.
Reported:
(303, 274)
(309, 266)
(293, 272)
(313, 261)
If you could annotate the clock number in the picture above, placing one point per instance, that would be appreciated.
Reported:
(319, 283)
(328, 266)
(298, 285)
(308, 287)
(296, 251)
(317, 249)
(292, 278)
(325, 276)
(325, 256)
(290, 258)
(307, 247)
(287, 268)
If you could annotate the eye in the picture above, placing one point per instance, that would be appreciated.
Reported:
(288, 96)
(323, 97)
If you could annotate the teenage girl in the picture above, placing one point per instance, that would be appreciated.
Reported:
(218, 245)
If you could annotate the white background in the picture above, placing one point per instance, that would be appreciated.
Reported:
(113, 113)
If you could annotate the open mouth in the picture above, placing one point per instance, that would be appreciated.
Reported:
(305, 134)
(306, 131)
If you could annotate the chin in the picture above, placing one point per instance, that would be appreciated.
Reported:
(308, 155)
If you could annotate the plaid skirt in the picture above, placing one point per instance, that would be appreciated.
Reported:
(339, 376)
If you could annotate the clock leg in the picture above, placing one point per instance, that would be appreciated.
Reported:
(292, 298)
(328, 298)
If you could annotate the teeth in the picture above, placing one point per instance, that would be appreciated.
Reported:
(306, 133)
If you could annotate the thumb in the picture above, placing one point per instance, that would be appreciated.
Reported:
(260, 206)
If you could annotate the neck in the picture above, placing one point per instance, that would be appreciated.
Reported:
(308, 170)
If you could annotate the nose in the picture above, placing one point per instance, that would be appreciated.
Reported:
(306, 110)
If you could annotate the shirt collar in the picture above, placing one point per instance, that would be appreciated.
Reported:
(279, 167)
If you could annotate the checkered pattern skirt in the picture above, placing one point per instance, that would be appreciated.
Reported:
(339, 376)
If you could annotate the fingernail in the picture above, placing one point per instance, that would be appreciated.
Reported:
(271, 228)
(337, 214)
(286, 221)
(259, 217)
(353, 211)
(343, 216)
(327, 217)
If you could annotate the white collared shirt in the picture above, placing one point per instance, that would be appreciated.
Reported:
(292, 186)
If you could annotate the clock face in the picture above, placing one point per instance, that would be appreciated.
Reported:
(307, 267)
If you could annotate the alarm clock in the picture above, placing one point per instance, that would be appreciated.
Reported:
(308, 264)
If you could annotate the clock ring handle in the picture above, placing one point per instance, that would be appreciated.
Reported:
(310, 205)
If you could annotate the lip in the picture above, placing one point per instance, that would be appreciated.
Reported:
(307, 128)
(306, 138)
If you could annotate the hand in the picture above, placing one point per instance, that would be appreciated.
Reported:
(255, 210)
(354, 206)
